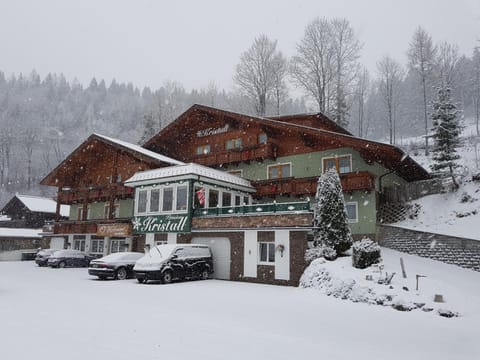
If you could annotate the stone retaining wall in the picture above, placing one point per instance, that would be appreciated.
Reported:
(449, 249)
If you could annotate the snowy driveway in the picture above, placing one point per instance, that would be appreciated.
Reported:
(66, 314)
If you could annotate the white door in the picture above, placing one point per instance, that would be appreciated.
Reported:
(57, 243)
(221, 255)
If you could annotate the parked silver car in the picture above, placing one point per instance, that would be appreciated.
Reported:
(117, 266)
(69, 258)
(43, 255)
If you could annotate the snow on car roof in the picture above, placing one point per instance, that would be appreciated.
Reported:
(120, 256)
(42, 204)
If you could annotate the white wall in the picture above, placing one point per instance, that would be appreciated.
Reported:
(250, 257)
(282, 261)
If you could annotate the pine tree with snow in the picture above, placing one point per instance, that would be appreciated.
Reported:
(330, 221)
(446, 129)
(149, 130)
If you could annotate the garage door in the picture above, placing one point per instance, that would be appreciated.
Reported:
(221, 255)
(57, 243)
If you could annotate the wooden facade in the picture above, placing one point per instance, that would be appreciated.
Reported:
(95, 172)
(206, 133)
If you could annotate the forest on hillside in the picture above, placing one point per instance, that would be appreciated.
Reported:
(42, 119)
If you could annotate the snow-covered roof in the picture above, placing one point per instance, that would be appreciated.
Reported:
(41, 204)
(142, 150)
(198, 171)
(20, 232)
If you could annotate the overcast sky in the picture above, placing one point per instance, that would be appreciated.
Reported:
(195, 42)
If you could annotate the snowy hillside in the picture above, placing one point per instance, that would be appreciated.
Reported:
(458, 213)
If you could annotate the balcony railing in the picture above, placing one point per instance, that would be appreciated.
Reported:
(354, 181)
(95, 193)
(260, 152)
(290, 207)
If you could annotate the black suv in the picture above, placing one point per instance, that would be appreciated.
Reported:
(175, 262)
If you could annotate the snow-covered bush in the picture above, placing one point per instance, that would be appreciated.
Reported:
(365, 253)
(330, 215)
(320, 252)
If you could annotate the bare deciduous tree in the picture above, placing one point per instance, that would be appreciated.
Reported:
(391, 74)
(260, 71)
(313, 67)
(421, 56)
(346, 48)
(361, 88)
(446, 63)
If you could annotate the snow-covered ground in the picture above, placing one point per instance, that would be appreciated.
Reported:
(66, 314)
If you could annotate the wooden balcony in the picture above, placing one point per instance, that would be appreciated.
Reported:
(85, 227)
(258, 153)
(354, 181)
(94, 193)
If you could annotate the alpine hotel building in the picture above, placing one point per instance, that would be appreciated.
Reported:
(241, 184)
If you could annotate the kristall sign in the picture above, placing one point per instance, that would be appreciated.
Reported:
(212, 131)
(161, 223)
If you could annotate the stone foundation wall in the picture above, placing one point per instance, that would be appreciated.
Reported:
(449, 249)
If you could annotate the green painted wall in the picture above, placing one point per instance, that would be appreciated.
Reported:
(97, 209)
(309, 165)
(367, 213)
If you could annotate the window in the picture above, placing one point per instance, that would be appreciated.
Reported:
(142, 201)
(203, 149)
(212, 198)
(233, 144)
(167, 199)
(342, 164)
(279, 171)
(106, 211)
(262, 138)
(182, 195)
(79, 243)
(246, 200)
(116, 210)
(80, 212)
(96, 246)
(266, 252)
(226, 199)
(199, 197)
(352, 211)
(238, 200)
(154, 200)
(117, 245)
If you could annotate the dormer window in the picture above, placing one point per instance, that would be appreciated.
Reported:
(233, 144)
(262, 138)
(203, 149)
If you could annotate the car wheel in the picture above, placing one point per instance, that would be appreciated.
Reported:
(62, 264)
(167, 277)
(204, 275)
(141, 280)
(121, 273)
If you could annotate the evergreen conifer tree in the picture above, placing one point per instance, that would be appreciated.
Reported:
(149, 130)
(446, 134)
(330, 215)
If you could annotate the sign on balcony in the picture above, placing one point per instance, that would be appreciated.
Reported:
(162, 224)
(114, 230)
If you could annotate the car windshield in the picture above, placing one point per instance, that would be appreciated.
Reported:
(161, 251)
